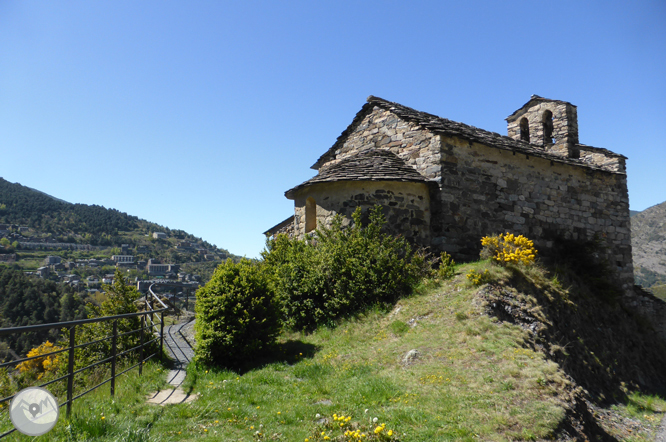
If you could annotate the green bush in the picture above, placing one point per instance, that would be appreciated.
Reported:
(339, 272)
(447, 267)
(237, 315)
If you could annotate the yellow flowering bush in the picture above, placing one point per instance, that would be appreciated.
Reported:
(508, 249)
(479, 278)
(40, 366)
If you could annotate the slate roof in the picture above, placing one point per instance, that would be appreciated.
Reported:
(279, 226)
(367, 165)
(439, 125)
(534, 99)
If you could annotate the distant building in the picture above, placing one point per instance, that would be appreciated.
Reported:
(159, 235)
(43, 272)
(126, 265)
(72, 278)
(122, 258)
(124, 249)
(51, 260)
(156, 268)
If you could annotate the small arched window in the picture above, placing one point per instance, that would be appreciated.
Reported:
(548, 127)
(310, 215)
(525, 130)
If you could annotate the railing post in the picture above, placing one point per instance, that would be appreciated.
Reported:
(143, 324)
(70, 370)
(162, 337)
(113, 356)
(152, 307)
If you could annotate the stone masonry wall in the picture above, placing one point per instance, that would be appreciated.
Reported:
(651, 308)
(487, 190)
(406, 205)
(565, 123)
(382, 129)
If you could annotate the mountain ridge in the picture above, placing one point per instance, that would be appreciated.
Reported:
(44, 193)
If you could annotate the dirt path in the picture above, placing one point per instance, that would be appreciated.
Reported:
(180, 349)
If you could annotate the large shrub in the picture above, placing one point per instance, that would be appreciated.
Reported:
(341, 271)
(237, 315)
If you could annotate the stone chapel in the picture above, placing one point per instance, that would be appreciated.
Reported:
(444, 184)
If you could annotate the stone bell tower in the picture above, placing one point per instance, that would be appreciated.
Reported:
(551, 125)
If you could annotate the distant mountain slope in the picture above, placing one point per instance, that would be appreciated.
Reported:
(648, 241)
(57, 199)
(28, 207)
(54, 220)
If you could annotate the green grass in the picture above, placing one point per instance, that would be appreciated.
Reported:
(659, 291)
(96, 416)
(472, 380)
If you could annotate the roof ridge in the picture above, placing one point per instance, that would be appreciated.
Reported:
(373, 164)
(444, 126)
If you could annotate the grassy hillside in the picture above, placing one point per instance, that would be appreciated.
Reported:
(526, 357)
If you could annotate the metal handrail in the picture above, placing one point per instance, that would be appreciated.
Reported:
(150, 289)
(71, 327)
(28, 328)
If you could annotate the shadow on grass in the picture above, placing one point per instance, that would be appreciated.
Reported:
(290, 352)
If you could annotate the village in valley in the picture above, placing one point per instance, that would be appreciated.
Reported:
(86, 268)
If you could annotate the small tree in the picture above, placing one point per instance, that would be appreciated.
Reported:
(121, 299)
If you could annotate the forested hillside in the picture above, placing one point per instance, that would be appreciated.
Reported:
(55, 220)
(27, 207)
(26, 300)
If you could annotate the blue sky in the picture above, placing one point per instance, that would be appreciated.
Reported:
(198, 115)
